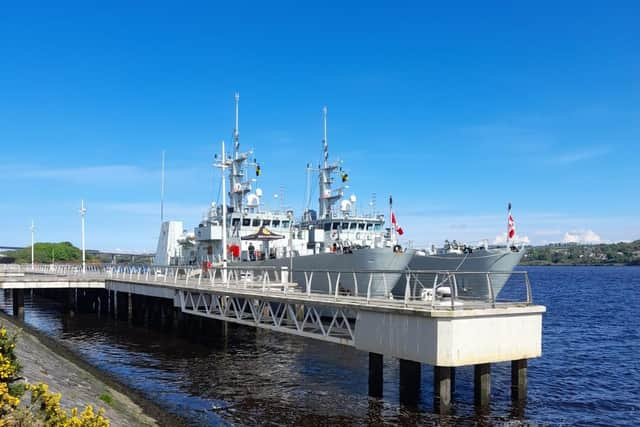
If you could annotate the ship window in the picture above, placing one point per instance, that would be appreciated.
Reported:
(345, 225)
(327, 226)
(369, 225)
(276, 223)
(285, 224)
(353, 226)
(246, 222)
(377, 227)
(266, 222)
(334, 225)
(256, 223)
(235, 221)
(361, 226)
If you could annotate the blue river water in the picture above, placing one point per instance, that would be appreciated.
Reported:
(589, 373)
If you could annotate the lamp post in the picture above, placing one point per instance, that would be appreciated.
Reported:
(83, 212)
(33, 229)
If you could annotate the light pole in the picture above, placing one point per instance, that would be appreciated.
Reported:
(33, 229)
(83, 212)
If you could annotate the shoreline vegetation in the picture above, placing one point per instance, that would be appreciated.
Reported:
(602, 254)
(45, 360)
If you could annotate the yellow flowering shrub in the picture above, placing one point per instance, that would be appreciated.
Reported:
(44, 409)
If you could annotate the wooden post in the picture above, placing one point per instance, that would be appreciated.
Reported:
(375, 375)
(482, 385)
(519, 380)
(410, 378)
(442, 387)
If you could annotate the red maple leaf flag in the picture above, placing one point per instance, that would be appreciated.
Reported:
(512, 227)
(394, 222)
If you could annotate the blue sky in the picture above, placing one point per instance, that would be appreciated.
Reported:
(454, 110)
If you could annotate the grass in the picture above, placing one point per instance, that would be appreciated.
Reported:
(106, 398)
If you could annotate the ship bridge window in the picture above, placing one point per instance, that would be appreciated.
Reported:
(361, 226)
(246, 222)
(334, 225)
(235, 221)
(369, 226)
(276, 223)
(256, 223)
(266, 222)
(345, 225)
(327, 226)
(285, 224)
(377, 227)
(353, 226)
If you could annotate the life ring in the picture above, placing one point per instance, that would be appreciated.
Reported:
(397, 248)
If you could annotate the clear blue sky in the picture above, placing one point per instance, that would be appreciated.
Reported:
(453, 110)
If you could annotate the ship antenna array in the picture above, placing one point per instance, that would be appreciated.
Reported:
(236, 129)
(325, 145)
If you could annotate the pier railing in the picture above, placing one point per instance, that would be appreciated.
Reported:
(412, 289)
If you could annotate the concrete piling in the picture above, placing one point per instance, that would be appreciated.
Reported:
(410, 378)
(18, 303)
(375, 375)
(443, 379)
(482, 386)
(519, 381)
(129, 307)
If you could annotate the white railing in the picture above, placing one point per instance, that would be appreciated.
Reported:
(409, 289)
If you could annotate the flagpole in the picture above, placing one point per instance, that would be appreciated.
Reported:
(391, 226)
(224, 217)
(508, 224)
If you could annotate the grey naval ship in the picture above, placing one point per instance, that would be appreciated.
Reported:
(334, 239)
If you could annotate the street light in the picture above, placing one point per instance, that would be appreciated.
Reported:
(33, 229)
(83, 212)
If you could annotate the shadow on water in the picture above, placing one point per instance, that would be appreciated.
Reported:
(588, 373)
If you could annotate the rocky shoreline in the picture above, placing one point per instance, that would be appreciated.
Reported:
(43, 359)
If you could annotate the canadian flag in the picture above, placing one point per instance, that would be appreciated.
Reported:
(394, 222)
(512, 227)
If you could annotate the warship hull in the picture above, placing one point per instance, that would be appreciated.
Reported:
(373, 271)
(499, 262)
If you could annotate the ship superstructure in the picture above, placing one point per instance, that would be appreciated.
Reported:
(337, 240)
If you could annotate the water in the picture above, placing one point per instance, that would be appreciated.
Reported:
(589, 373)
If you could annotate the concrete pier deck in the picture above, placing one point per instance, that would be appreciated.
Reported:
(446, 334)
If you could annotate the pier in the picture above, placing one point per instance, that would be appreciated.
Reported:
(438, 328)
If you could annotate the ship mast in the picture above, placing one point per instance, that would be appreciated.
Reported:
(327, 197)
(239, 187)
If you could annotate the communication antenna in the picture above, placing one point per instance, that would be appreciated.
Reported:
(236, 129)
(325, 144)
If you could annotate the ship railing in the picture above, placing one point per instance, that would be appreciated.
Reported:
(468, 289)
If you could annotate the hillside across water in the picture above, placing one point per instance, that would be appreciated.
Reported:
(622, 253)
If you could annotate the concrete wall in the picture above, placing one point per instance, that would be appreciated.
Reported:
(453, 338)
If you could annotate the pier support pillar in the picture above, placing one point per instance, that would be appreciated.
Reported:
(443, 379)
(519, 380)
(130, 307)
(71, 302)
(115, 305)
(18, 303)
(482, 385)
(410, 378)
(453, 382)
(375, 375)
